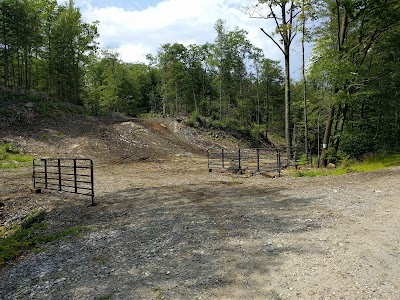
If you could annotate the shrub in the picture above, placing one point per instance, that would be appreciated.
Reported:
(195, 120)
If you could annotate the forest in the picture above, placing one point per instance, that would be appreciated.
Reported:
(346, 102)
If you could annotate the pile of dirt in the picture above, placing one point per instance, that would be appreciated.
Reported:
(114, 139)
(109, 141)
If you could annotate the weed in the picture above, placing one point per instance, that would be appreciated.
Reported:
(100, 260)
(30, 235)
(37, 217)
(371, 163)
(160, 293)
(106, 297)
(11, 157)
(235, 180)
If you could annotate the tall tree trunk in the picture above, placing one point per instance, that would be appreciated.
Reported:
(65, 82)
(397, 128)
(76, 79)
(284, 18)
(27, 67)
(342, 23)
(13, 74)
(288, 118)
(220, 100)
(342, 121)
(164, 96)
(164, 106)
(327, 135)
(304, 81)
(266, 107)
(258, 108)
(194, 99)
(176, 99)
(19, 68)
(5, 54)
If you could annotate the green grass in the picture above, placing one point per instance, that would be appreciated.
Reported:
(377, 162)
(318, 172)
(11, 157)
(29, 235)
(371, 163)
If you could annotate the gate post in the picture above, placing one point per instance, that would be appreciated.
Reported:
(258, 160)
(45, 173)
(222, 158)
(92, 180)
(59, 174)
(240, 166)
(278, 160)
(33, 174)
(208, 159)
(75, 177)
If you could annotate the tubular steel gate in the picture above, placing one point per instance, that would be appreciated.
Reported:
(257, 159)
(72, 175)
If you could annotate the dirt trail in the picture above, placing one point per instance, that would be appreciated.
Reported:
(166, 228)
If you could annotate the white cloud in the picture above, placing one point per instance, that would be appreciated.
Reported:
(135, 33)
(136, 51)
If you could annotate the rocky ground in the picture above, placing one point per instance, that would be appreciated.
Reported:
(166, 228)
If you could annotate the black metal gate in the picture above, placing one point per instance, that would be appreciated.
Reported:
(238, 159)
(72, 175)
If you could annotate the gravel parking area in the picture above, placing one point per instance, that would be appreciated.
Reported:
(172, 230)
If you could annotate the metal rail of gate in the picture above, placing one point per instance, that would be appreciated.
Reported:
(237, 159)
(71, 175)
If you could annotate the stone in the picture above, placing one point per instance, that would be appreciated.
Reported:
(331, 166)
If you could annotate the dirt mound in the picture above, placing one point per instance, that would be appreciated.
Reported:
(113, 139)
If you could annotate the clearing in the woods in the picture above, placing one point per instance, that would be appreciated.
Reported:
(164, 227)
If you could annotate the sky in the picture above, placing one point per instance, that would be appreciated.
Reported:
(135, 28)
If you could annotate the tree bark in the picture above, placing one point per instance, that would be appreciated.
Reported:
(288, 119)
(342, 23)
(342, 120)
(327, 135)
(396, 116)
(6, 64)
(304, 82)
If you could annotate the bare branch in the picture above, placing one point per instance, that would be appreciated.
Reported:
(272, 39)
(278, 26)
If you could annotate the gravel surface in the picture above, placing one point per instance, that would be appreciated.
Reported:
(166, 228)
(169, 229)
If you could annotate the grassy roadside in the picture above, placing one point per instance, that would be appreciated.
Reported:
(30, 235)
(372, 163)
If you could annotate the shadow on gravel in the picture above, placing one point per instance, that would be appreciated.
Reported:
(177, 243)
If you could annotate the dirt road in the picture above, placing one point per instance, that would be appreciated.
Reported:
(169, 229)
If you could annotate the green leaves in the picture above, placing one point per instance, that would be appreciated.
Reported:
(46, 47)
(351, 59)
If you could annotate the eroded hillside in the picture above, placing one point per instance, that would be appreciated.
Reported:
(113, 140)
